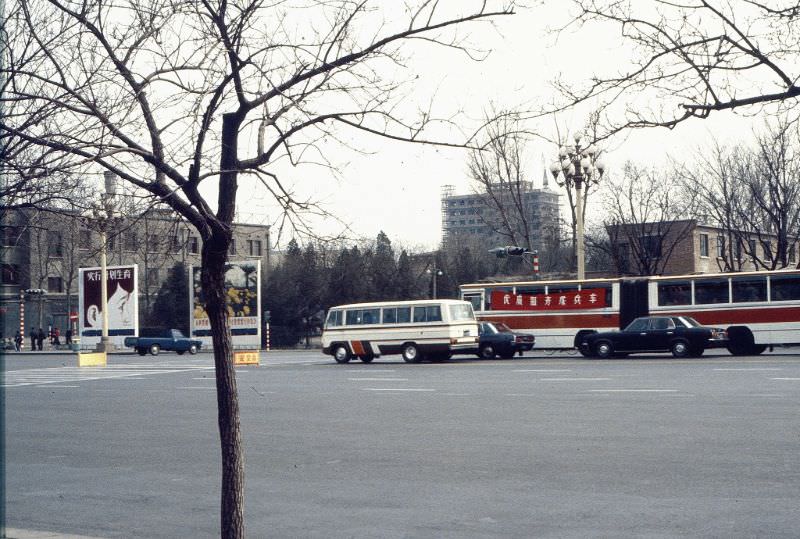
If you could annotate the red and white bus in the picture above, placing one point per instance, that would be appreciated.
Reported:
(760, 310)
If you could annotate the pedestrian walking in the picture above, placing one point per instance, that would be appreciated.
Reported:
(68, 336)
(56, 337)
(40, 339)
(34, 336)
(17, 341)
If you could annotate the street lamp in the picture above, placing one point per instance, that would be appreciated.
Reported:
(103, 216)
(577, 165)
(434, 273)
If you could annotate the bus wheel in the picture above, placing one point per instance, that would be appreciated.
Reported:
(367, 359)
(758, 349)
(411, 353)
(486, 351)
(341, 354)
(680, 349)
(603, 349)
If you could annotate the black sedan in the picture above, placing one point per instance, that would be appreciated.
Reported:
(681, 335)
(499, 339)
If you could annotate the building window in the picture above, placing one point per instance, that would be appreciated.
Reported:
(194, 245)
(153, 242)
(792, 254)
(175, 244)
(720, 246)
(9, 235)
(10, 274)
(254, 246)
(751, 246)
(55, 284)
(704, 245)
(84, 240)
(739, 250)
(111, 242)
(152, 276)
(623, 258)
(55, 246)
(131, 241)
(651, 246)
(232, 248)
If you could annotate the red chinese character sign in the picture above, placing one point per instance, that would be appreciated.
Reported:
(123, 306)
(589, 298)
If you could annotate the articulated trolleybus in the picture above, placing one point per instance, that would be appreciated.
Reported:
(760, 310)
(431, 329)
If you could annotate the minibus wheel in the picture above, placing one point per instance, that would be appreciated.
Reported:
(367, 359)
(341, 354)
(411, 353)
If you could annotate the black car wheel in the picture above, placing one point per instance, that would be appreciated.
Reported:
(507, 354)
(680, 348)
(603, 349)
(486, 351)
(141, 351)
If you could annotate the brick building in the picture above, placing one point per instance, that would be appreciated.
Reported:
(687, 247)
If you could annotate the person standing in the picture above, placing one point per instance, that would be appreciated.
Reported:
(56, 337)
(17, 341)
(68, 336)
(40, 339)
(34, 336)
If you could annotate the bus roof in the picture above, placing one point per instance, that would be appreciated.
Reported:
(540, 282)
(400, 303)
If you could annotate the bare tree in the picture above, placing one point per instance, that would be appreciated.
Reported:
(692, 58)
(174, 96)
(752, 194)
(645, 221)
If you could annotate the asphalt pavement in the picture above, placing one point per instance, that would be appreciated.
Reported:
(547, 445)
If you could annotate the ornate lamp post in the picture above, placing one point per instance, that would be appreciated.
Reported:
(103, 217)
(578, 165)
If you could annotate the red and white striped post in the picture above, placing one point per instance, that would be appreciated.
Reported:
(536, 262)
(22, 319)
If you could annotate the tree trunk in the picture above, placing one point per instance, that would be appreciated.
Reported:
(232, 492)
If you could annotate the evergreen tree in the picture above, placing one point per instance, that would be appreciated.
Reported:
(383, 270)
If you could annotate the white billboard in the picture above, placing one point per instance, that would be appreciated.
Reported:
(243, 298)
(122, 287)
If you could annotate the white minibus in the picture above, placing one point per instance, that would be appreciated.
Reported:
(431, 329)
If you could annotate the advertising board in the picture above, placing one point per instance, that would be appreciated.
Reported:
(243, 298)
(122, 287)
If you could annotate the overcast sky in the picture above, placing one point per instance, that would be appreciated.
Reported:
(396, 187)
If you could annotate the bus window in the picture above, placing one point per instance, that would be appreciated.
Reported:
(353, 317)
(371, 316)
(403, 315)
(553, 290)
(711, 291)
(390, 315)
(675, 293)
(475, 299)
(429, 313)
(749, 289)
(334, 319)
(784, 287)
(539, 290)
(461, 312)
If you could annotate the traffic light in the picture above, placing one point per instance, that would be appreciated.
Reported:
(508, 250)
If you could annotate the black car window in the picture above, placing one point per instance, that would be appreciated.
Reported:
(661, 324)
(640, 324)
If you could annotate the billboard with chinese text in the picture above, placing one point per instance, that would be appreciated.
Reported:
(588, 298)
(122, 287)
(243, 298)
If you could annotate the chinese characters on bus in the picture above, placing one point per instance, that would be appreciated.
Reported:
(590, 298)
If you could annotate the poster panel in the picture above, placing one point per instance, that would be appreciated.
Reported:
(122, 287)
(243, 298)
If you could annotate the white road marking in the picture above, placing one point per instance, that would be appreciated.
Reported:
(572, 379)
(542, 370)
(195, 387)
(65, 375)
(395, 389)
(53, 385)
(633, 391)
(753, 369)
(378, 379)
(784, 378)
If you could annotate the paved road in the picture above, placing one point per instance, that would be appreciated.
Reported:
(540, 446)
